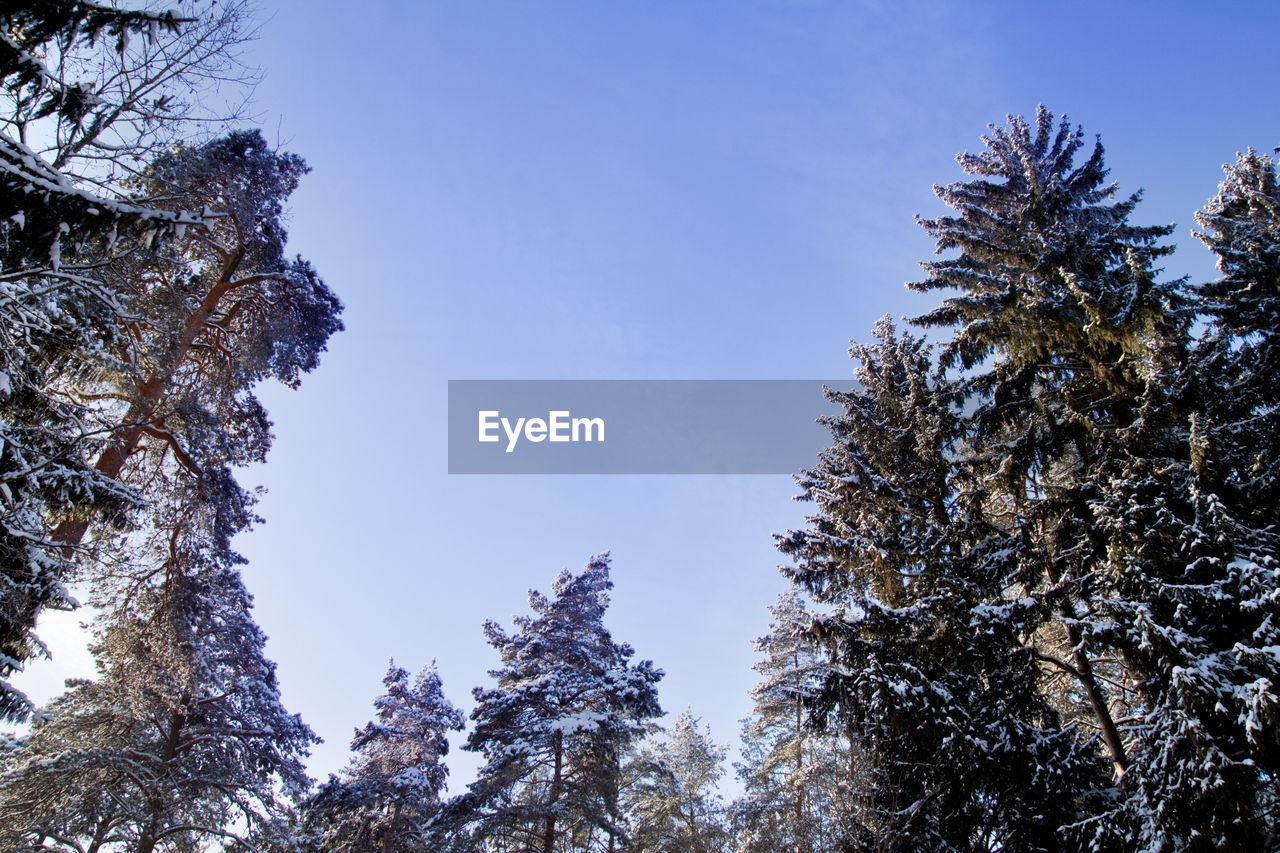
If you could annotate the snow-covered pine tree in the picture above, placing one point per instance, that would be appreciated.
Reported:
(931, 673)
(56, 317)
(1098, 456)
(390, 792)
(182, 739)
(215, 311)
(1192, 605)
(1240, 358)
(798, 779)
(567, 704)
(212, 314)
(670, 800)
(89, 93)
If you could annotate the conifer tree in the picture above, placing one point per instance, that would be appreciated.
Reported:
(1194, 594)
(90, 94)
(798, 778)
(931, 673)
(1099, 439)
(671, 800)
(56, 317)
(1064, 332)
(181, 740)
(1100, 517)
(566, 706)
(1240, 357)
(390, 792)
(213, 314)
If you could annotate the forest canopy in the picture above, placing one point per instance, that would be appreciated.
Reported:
(1035, 604)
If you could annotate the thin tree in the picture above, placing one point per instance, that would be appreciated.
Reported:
(671, 799)
(566, 705)
(389, 794)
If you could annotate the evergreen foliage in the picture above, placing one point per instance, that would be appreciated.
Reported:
(56, 318)
(89, 95)
(181, 740)
(1056, 544)
(671, 803)
(929, 671)
(798, 779)
(566, 706)
(390, 792)
(145, 292)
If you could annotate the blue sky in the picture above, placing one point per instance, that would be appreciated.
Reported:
(638, 190)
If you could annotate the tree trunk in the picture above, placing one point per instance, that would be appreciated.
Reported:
(395, 829)
(150, 835)
(151, 392)
(1083, 672)
(799, 773)
(1098, 702)
(549, 830)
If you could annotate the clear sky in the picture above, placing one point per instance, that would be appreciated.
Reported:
(601, 190)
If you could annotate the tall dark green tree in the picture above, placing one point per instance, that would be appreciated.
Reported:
(1193, 594)
(1089, 425)
(1240, 357)
(929, 667)
(1064, 334)
(1100, 554)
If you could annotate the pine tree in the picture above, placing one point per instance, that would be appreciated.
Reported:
(1098, 525)
(1065, 332)
(798, 778)
(390, 792)
(183, 736)
(56, 317)
(1194, 592)
(88, 95)
(213, 314)
(1240, 356)
(566, 706)
(181, 740)
(671, 800)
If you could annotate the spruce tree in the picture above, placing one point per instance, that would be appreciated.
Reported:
(1239, 360)
(1194, 593)
(1102, 522)
(930, 668)
(1064, 333)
